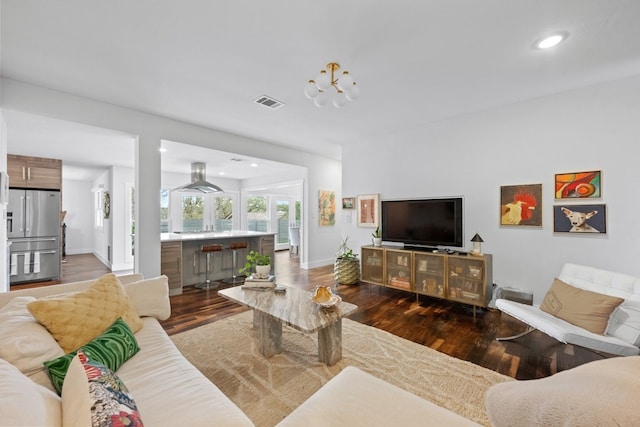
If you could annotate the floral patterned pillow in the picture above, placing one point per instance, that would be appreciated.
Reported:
(93, 394)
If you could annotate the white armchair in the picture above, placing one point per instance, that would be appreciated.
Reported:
(622, 335)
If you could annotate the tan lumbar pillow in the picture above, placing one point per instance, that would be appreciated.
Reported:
(76, 319)
(589, 310)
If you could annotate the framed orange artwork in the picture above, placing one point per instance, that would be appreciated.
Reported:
(578, 185)
(326, 207)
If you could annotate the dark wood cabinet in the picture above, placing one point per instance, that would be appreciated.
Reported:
(171, 265)
(34, 172)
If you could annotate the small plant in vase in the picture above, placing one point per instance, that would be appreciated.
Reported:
(258, 263)
(377, 237)
(346, 269)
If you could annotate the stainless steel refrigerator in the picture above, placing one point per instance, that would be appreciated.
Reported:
(33, 228)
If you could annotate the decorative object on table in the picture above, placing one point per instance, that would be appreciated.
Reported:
(346, 269)
(348, 202)
(323, 296)
(345, 88)
(521, 205)
(257, 265)
(578, 185)
(377, 237)
(368, 210)
(326, 207)
(476, 248)
(256, 278)
(259, 284)
(580, 219)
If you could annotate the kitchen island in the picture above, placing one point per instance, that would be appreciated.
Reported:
(184, 264)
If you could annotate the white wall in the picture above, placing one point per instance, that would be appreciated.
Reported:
(149, 130)
(4, 283)
(77, 200)
(121, 247)
(596, 128)
(102, 241)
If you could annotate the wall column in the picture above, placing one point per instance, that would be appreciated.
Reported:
(147, 191)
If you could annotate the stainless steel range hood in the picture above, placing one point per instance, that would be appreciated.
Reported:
(199, 180)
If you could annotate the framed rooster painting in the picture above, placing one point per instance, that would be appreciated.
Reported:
(521, 205)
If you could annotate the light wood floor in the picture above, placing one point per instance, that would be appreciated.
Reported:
(447, 327)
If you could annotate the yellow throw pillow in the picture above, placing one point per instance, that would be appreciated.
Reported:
(76, 319)
(589, 310)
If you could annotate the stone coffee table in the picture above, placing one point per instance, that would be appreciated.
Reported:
(296, 309)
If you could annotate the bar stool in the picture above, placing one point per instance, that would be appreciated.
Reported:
(235, 248)
(209, 251)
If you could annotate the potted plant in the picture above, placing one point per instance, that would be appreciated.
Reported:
(346, 269)
(377, 237)
(258, 263)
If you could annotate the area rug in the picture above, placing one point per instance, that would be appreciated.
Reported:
(267, 390)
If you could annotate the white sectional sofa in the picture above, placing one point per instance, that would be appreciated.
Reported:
(167, 389)
(622, 334)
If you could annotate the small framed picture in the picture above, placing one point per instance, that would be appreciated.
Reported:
(348, 202)
(580, 218)
(578, 185)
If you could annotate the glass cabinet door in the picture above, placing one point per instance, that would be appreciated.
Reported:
(372, 266)
(399, 265)
(430, 274)
(466, 278)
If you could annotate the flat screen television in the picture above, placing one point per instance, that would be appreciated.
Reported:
(423, 222)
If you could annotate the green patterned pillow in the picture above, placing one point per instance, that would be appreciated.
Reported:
(114, 347)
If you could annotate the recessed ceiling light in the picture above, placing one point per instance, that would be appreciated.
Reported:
(254, 165)
(551, 40)
(163, 150)
(220, 173)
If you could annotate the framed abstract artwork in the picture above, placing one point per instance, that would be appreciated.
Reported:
(368, 210)
(578, 185)
(521, 205)
(326, 207)
(580, 218)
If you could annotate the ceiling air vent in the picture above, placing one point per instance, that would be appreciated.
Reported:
(269, 102)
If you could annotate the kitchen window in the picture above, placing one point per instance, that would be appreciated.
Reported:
(257, 213)
(192, 213)
(195, 211)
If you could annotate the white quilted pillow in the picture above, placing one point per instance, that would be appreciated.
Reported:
(24, 342)
(624, 323)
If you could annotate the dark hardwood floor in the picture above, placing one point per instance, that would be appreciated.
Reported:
(448, 327)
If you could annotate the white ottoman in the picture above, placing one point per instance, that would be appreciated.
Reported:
(356, 398)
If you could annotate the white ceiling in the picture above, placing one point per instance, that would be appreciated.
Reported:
(416, 62)
(87, 151)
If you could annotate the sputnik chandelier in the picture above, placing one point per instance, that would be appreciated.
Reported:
(346, 88)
